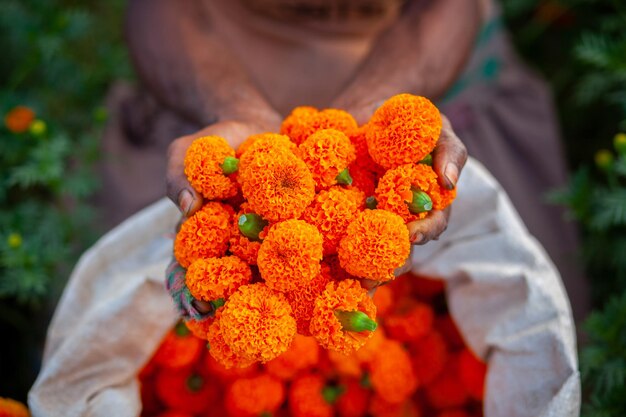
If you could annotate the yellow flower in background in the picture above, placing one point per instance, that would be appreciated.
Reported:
(38, 128)
(14, 240)
(604, 159)
(19, 119)
(619, 141)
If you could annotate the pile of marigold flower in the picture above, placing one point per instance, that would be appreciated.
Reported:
(415, 365)
(293, 222)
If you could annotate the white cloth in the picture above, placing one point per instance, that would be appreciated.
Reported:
(503, 291)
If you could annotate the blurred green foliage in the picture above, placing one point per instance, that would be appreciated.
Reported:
(59, 56)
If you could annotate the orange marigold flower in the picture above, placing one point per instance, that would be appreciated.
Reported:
(391, 373)
(376, 243)
(18, 120)
(256, 323)
(403, 130)
(335, 271)
(327, 153)
(447, 391)
(12, 408)
(213, 278)
(199, 328)
(472, 372)
(220, 350)
(203, 167)
(302, 300)
(179, 349)
(214, 368)
(264, 143)
(240, 245)
(331, 212)
(306, 398)
(363, 158)
(366, 354)
(411, 324)
(254, 396)
(303, 354)
(383, 300)
(327, 324)
(346, 365)
(379, 407)
(277, 185)
(428, 356)
(395, 190)
(290, 255)
(185, 390)
(304, 121)
(363, 179)
(204, 235)
(355, 399)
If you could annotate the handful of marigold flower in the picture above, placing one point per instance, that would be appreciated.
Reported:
(294, 221)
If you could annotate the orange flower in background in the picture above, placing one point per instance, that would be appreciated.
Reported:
(254, 396)
(302, 300)
(212, 279)
(447, 391)
(303, 354)
(380, 408)
(306, 397)
(425, 287)
(331, 212)
(185, 390)
(199, 328)
(204, 167)
(214, 368)
(448, 329)
(457, 412)
(290, 255)
(345, 365)
(355, 399)
(411, 324)
(366, 354)
(383, 299)
(381, 240)
(327, 153)
(256, 323)
(12, 408)
(472, 372)
(304, 121)
(391, 373)
(403, 130)
(179, 349)
(220, 350)
(395, 190)
(18, 120)
(204, 235)
(277, 185)
(264, 143)
(329, 324)
(428, 356)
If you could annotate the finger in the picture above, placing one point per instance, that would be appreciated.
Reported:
(449, 156)
(429, 228)
(178, 188)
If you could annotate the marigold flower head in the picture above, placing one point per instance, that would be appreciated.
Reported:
(304, 121)
(199, 328)
(305, 397)
(18, 120)
(185, 390)
(220, 350)
(391, 373)
(290, 255)
(212, 367)
(335, 271)
(363, 179)
(345, 296)
(327, 152)
(345, 365)
(12, 408)
(264, 143)
(179, 349)
(203, 167)
(303, 354)
(253, 396)
(472, 373)
(331, 212)
(277, 185)
(375, 244)
(302, 300)
(213, 278)
(411, 324)
(383, 300)
(403, 130)
(363, 158)
(372, 346)
(256, 323)
(429, 355)
(447, 390)
(355, 399)
(379, 407)
(204, 235)
(395, 190)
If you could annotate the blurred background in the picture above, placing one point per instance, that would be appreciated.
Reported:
(62, 57)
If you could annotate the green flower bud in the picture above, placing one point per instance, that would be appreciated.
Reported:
(355, 321)
(344, 177)
(230, 165)
(251, 225)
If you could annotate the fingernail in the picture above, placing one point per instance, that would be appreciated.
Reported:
(417, 238)
(185, 200)
(451, 172)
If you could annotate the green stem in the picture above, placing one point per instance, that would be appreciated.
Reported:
(181, 329)
(355, 321)
(332, 393)
(230, 165)
(251, 225)
(195, 383)
(217, 303)
(428, 160)
(344, 177)
(421, 202)
(371, 203)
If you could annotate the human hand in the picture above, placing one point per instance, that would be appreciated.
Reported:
(178, 188)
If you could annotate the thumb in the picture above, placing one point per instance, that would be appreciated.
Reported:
(178, 188)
